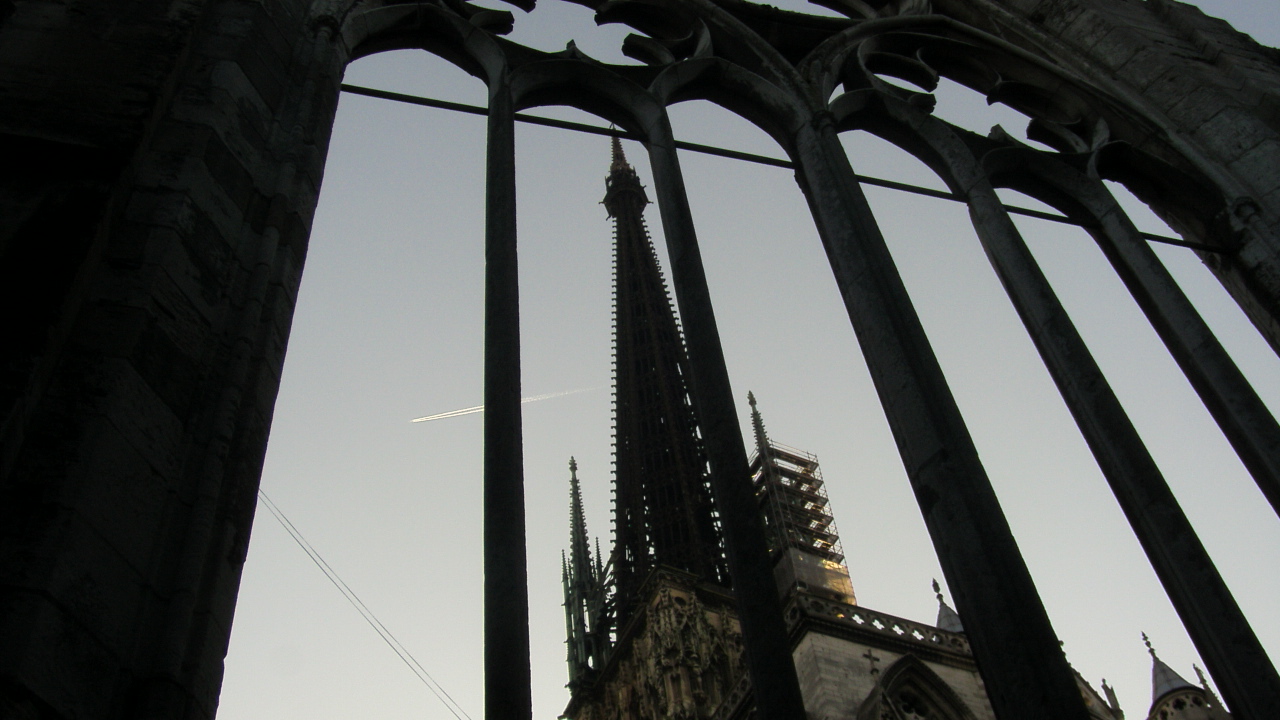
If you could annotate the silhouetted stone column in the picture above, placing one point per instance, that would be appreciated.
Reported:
(1239, 412)
(1018, 653)
(768, 648)
(507, 694)
(1214, 621)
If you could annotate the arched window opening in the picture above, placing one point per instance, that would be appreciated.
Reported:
(762, 254)
(911, 690)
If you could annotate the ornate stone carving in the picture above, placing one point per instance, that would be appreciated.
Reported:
(684, 658)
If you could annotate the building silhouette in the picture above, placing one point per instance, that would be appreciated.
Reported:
(653, 632)
(163, 165)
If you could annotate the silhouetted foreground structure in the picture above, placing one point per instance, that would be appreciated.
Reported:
(159, 185)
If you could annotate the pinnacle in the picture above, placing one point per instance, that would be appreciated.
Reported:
(757, 425)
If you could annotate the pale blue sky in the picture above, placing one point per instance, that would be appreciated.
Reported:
(388, 328)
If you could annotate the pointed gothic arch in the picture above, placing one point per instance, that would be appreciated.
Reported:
(910, 690)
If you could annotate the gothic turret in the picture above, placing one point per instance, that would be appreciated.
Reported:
(1174, 698)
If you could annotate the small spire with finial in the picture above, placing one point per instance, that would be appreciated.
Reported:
(1164, 679)
(948, 619)
(1112, 701)
(1204, 684)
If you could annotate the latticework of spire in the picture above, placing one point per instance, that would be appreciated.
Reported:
(663, 513)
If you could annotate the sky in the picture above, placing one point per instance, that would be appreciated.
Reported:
(389, 328)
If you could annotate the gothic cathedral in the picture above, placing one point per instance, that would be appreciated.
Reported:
(653, 630)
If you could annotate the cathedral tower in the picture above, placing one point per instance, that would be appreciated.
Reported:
(653, 632)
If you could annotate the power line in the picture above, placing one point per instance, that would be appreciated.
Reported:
(737, 155)
(403, 653)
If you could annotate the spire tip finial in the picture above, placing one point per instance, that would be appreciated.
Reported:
(757, 425)
(619, 157)
(937, 589)
(1147, 641)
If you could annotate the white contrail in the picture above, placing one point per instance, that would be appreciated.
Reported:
(480, 408)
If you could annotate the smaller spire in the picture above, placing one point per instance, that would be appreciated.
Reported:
(1204, 683)
(580, 564)
(1112, 701)
(1163, 678)
(948, 619)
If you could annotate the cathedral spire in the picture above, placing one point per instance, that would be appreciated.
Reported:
(663, 512)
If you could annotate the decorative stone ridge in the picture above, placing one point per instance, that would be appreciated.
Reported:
(683, 655)
(806, 609)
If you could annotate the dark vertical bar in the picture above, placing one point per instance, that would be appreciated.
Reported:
(1218, 628)
(768, 648)
(507, 694)
(1018, 653)
(1239, 412)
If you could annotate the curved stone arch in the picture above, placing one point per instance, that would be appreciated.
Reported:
(773, 109)
(909, 685)
(708, 21)
(370, 26)
(1068, 112)
(574, 80)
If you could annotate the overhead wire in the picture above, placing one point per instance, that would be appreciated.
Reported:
(400, 650)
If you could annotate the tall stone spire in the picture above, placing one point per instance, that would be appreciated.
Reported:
(662, 500)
